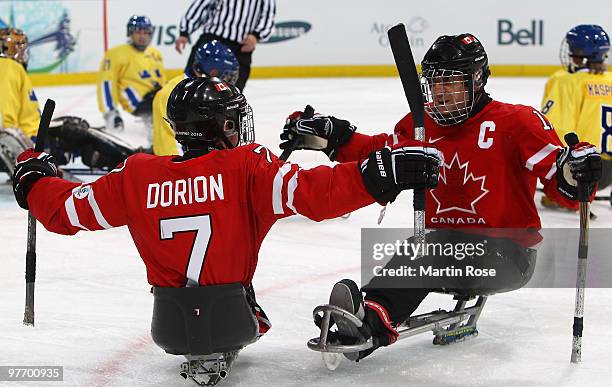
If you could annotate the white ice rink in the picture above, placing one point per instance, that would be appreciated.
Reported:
(93, 306)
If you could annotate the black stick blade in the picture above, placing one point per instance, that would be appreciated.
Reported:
(404, 60)
(43, 126)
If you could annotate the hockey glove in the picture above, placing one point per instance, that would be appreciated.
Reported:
(312, 131)
(113, 120)
(387, 172)
(30, 167)
(579, 164)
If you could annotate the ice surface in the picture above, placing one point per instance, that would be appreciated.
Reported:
(93, 305)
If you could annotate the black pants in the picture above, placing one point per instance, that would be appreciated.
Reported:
(514, 263)
(244, 58)
(606, 174)
(145, 107)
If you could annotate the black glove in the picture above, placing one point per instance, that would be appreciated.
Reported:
(578, 164)
(30, 167)
(312, 131)
(387, 172)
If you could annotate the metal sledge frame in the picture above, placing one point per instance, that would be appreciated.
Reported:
(208, 370)
(440, 322)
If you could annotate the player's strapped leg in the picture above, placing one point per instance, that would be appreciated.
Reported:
(72, 136)
(12, 143)
(356, 326)
(260, 315)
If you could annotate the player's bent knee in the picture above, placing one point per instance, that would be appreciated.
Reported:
(202, 320)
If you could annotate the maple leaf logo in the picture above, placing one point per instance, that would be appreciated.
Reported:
(459, 188)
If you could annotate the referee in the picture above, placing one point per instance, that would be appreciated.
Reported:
(240, 24)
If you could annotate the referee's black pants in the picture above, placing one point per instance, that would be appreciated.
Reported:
(244, 58)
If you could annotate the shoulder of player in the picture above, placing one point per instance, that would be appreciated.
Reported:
(173, 82)
(517, 115)
(138, 159)
(118, 53)
(250, 149)
(154, 51)
(404, 124)
(13, 66)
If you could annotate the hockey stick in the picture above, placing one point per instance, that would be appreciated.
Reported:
(583, 249)
(30, 276)
(404, 60)
(308, 113)
(285, 155)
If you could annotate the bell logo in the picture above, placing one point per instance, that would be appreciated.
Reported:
(462, 190)
(532, 36)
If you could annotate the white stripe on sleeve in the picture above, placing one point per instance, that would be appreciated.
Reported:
(96, 210)
(540, 155)
(71, 211)
(277, 188)
(551, 172)
(291, 186)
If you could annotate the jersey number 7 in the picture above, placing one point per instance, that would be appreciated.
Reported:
(199, 224)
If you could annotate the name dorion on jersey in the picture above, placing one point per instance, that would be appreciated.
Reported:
(183, 192)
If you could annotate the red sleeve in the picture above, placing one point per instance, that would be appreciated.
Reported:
(539, 145)
(65, 207)
(283, 189)
(360, 145)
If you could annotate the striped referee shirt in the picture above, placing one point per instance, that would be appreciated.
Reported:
(230, 19)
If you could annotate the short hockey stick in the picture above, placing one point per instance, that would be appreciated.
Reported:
(583, 248)
(404, 60)
(41, 136)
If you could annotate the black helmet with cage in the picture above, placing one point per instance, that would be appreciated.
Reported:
(453, 60)
(207, 113)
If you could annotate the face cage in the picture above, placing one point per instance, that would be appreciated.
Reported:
(247, 126)
(16, 49)
(230, 76)
(448, 95)
(148, 30)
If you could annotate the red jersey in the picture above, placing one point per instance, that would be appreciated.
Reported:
(491, 165)
(202, 220)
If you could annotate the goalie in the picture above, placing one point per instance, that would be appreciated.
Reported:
(19, 111)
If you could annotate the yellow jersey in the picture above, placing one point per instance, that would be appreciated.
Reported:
(164, 143)
(581, 102)
(18, 103)
(126, 75)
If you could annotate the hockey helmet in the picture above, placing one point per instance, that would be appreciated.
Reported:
(215, 59)
(454, 72)
(14, 45)
(583, 45)
(209, 112)
(140, 23)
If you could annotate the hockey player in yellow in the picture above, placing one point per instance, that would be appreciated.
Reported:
(579, 98)
(18, 103)
(130, 75)
(213, 59)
